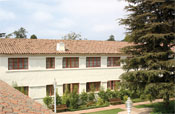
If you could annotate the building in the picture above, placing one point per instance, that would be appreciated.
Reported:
(14, 102)
(33, 64)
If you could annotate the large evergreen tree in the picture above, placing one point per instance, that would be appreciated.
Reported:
(151, 70)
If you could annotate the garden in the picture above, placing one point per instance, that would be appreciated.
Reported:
(72, 101)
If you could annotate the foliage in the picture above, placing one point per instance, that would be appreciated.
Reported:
(84, 97)
(9, 35)
(111, 38)
(151, 71)
(20, 33)
(159, 108)
(91, 96)
(33, 36)
(58, 99)
(110, 94)
(74, 98)
(48, 101)
(73, 36)
(100, 101)
(123, 92)
(102, 94)
(125, 98)
(66, 97)
(127, 38)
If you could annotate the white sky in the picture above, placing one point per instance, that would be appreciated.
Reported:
(52, 19)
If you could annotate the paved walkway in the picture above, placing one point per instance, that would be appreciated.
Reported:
(122, 106)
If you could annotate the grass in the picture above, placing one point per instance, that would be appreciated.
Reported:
(112, 111)
(138, 100)
(160, 108)
(84, 107)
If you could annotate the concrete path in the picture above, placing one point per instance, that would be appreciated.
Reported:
(122, 106)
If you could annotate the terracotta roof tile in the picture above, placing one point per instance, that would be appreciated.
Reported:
(14, 102)
(44, 46)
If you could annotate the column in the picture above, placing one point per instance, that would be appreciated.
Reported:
(58, 62)
(82, 62)
(82, 87)
(104, 62)
(60, 89)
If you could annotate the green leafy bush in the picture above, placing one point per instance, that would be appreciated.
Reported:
(48, 101)
(58, 99)
(100, 102)
(84, 97)
(66, 98)
(123, 92)
(74, 98)
(102, 94)
(125, 98)
(91, 96)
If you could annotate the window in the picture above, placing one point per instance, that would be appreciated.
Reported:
(71, 87)
(70, 62)
(50, 62)
(24, 89)
(112, 84)
(17, 63)
(113, 61)
(49, 90)
(93, 62)
(92, 86)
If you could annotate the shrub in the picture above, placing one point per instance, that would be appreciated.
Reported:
(116, 94)
(100, 102)
(102, 94)
(125, 98)
(123, 92)
(66, 98)
(48, 101)
(117, 86)
(74, 98)
(91, 96)
(84, 97)
(58, 99)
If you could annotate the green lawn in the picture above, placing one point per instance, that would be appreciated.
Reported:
(112, 111)
(160, 108)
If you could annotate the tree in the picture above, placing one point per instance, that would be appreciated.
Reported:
(33, 36)
(127, 38)
(9, 35)
(20, 33)
(73, 36)
(151, 70)
(111, 38)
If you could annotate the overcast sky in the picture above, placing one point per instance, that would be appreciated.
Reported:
(52, 19)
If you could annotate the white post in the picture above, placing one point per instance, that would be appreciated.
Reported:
(55, 95)
(129, 105)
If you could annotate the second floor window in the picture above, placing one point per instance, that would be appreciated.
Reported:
(50, 62)
(93, 62)
(70, 62)
(17, 63)
(113, 61)
(49, 90)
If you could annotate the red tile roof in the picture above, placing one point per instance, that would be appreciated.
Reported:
(14, 102)
(44, 46)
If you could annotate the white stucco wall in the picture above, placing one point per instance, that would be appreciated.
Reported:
(37, 76)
